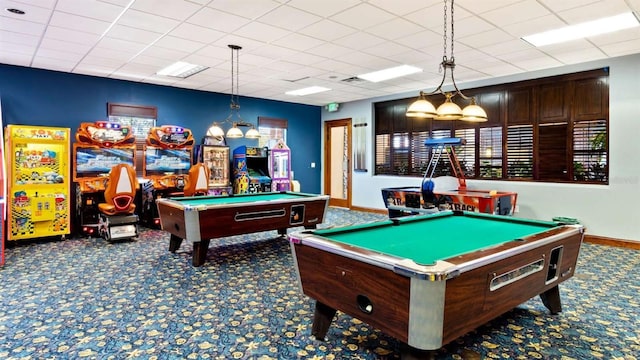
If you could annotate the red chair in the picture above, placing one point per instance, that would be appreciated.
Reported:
(198, 181)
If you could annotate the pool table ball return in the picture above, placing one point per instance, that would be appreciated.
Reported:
(427, 280)
(201, 218)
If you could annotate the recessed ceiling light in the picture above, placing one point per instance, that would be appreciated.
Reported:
(307, 91)
(15, 11)
(583, 30)
(181, 69)
(390, 73)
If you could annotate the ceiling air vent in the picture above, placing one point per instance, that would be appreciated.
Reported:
(352, 79)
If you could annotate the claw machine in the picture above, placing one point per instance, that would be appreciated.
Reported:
(280, 167)
(38, 182)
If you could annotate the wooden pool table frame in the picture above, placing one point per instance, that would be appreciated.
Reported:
(426, 307)
(202, 222)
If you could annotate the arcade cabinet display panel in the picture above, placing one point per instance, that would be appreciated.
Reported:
(161, 162)
(92, 161)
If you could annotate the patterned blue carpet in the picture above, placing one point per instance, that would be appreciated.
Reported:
(91, 299)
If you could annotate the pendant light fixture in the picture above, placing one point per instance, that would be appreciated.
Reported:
(423, 108)
(234, 107)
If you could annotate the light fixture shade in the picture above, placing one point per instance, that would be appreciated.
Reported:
(473, 113)
(215, 130)
(421, 108)
(448, 110)
(234, 132)
(252, 134)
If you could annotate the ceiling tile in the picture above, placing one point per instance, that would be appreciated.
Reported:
(21, 27)
(60, 45)
(173, 9)
(261, 32)
(174, 43)
(516, 13)
(329, 50)
(18, 39)
(33, 12)
(217, 20)
(133, 34)
(250, 9)
(289, 18)
(53, 64)
(78, 23)
(594, 11)
(324, 8)
(93, 9)
(362, 16)
(403, 7)
(359, 40)
(196, 33)
(17, 48)
(59, 55)
(395, 29)
(146, 21)
(164, 53)
(297, 42)
(327, 30)
(69, 35)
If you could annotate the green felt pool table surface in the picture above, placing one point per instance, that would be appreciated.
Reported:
(236, 199)
(426, 239)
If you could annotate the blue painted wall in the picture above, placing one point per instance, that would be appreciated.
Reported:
(49, 98)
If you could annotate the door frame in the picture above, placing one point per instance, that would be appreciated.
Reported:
(346, 123)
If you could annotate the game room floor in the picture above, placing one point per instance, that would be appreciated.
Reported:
(90, 299)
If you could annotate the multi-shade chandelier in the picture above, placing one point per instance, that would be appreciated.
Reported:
(423, 108)
(234, 108)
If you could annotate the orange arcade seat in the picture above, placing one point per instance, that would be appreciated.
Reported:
(117, 214)
(198, 181)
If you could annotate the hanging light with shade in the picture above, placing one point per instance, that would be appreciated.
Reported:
(423, 108)
(234, 118)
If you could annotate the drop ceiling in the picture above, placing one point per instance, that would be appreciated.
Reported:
(291, 44)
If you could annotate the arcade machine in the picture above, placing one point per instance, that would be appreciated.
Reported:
(99, 147)
(3, 186)
(411, 200)
(38, 185)
(251, 170)
(280, 167)
(214, 153)
(167, 160)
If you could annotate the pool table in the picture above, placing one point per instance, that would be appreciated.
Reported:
(429, 279)
(201, 218)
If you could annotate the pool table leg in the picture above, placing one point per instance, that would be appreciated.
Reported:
(410, 353)
(200, 252)
(174, 243)
(551, 299)
(322, 320)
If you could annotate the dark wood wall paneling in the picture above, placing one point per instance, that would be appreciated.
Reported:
(551, 104)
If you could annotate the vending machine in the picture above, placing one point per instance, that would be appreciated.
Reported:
(38, 182)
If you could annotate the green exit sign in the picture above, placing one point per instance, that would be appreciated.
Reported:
(332, 107)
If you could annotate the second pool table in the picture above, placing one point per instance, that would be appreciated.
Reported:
(201, 218)
(427, 280)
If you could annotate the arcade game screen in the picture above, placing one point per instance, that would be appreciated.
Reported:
(94, 161)
(159, 162)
